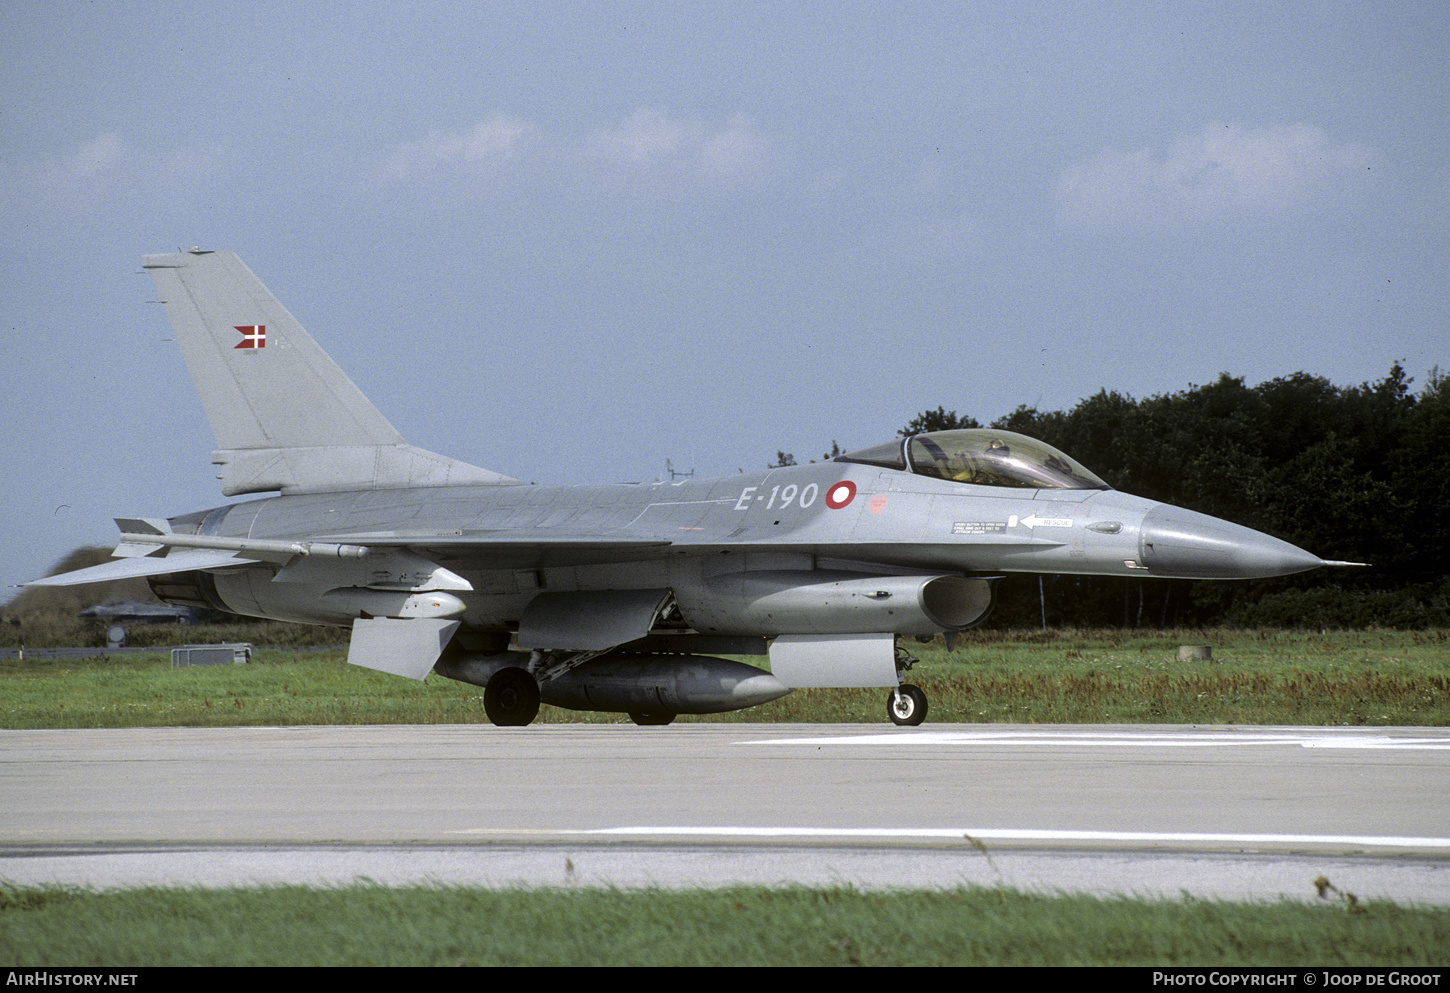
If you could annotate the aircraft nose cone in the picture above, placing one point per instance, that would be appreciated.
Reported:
(1182, 544)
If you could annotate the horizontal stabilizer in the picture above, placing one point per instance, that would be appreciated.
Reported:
(136, 568)
(143, 525)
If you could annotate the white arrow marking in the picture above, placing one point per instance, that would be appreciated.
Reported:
(1040, 522)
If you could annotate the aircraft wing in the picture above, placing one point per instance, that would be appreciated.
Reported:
(148, 548)
(143, 543)
(537, 548)
(514, 548)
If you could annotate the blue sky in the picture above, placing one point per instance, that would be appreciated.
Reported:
(570, 241)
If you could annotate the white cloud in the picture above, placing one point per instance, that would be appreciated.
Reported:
(102, 152)
(497, 139)
(1223, 174)
(110, 169)
(645, 138)
(646, 145)
(737, 152)
(650, 140)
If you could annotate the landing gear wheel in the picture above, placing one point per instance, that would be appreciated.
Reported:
(511, 698)
(650, 719)
(906, 705)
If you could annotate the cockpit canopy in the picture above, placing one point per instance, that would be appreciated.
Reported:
(983, 456)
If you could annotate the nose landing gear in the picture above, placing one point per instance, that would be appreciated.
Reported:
(906, 705)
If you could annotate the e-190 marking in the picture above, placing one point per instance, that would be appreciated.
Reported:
(786, 494)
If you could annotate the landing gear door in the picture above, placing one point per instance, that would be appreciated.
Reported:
(591, 620)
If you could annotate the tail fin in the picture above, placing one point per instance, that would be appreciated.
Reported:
(284, 415)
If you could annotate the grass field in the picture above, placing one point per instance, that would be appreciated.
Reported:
(1387, 678)
(444, 926)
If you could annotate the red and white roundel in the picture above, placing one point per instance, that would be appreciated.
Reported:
(840, 494)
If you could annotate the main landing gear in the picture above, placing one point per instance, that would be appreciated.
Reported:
(651, 719)
(511, 698)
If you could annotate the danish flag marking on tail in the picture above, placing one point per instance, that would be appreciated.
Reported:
(253, 336)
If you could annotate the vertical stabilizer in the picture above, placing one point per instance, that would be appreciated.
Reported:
(284, 415)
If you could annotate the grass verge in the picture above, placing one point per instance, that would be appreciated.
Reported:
(364, 925)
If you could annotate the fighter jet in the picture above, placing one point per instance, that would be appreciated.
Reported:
(617, 598)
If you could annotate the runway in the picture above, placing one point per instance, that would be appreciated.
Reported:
(1237, 813)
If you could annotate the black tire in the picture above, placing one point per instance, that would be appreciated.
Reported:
(909, 709)
(650, 719)
(511, 698)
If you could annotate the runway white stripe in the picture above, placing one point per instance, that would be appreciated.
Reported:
(1210, 739)
(1028, 834)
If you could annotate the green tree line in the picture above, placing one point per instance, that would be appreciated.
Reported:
(1359, 473)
